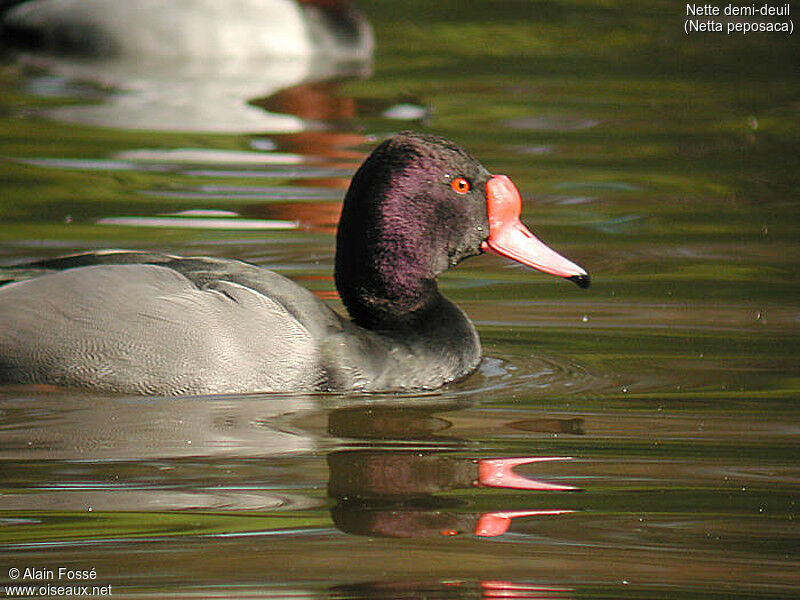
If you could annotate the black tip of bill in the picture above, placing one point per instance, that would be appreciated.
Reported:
(582, 281)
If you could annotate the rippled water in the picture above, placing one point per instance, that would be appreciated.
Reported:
(666, 396)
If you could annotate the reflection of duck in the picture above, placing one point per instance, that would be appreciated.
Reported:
(193, 29)
(407, 493)
(451, 589)
(357, 518)
(393, 494)
(359, 474)
(143, 323)
(378, 491)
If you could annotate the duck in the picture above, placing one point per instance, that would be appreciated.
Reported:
(186, 65)
(142, 323)
(191, 29)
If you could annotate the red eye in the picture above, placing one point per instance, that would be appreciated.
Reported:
(460, 185)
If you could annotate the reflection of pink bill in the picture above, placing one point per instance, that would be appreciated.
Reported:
(498, 472)
(510, 589)
(497, 523)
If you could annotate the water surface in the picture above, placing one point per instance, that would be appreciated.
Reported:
(666, 394)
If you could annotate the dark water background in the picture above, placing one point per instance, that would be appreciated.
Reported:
(669, 391)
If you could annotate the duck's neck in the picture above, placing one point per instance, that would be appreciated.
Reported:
(385, 292)
(409, 313)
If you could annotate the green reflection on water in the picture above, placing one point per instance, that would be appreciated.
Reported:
(67, 527)
(665, 164)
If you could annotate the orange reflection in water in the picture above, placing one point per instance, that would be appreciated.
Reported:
(320, 216)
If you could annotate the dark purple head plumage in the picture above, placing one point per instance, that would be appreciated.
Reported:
(403, 224)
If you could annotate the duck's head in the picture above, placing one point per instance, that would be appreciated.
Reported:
(418, 205)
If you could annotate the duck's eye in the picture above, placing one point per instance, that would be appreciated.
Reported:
(460, 185)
